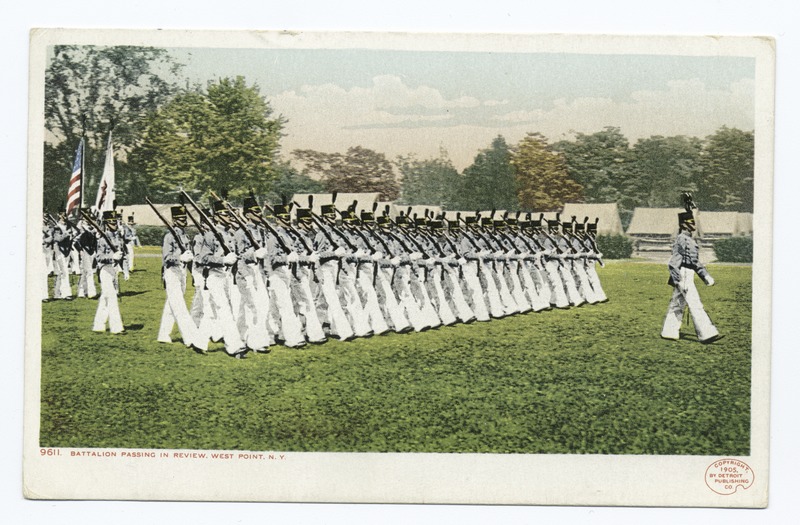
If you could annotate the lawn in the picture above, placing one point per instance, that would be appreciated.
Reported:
(592, 380)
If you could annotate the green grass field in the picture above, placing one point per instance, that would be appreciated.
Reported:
(595, 380)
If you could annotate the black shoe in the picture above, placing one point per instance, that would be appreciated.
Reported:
(198, 350)
(712, 339)
(240, 354)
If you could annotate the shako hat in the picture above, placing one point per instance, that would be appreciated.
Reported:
(303, 215)
(109, 216)
(178, 212)
(250, 205)
(367, 216)
(383, 220)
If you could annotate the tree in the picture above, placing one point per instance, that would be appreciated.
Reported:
(662, 168)
(490, 182)
(289, 182)
(728, 171)
(430, 181)
(542, 175)
(358, 170)
(90, 91)
(598, 162)
(222, 140)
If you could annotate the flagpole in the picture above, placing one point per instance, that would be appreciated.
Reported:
(83, 168)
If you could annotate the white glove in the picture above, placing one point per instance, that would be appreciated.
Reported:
(499, 253)
(395, 261)
(377, 256)
(260, 253)
(710, 281)
(361, 253)
(186, 256)
(292, 257)
(462, 260)
(313, 258)
(415, 256)
(229, 259)
(339, 252)
(117, 256)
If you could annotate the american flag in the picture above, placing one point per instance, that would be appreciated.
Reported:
(74, 191)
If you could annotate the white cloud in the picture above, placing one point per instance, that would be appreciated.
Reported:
(329, 118)
(686, 107)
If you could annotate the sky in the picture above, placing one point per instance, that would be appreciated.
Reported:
(419, 102)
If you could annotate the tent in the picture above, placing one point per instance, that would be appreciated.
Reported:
(608, 213)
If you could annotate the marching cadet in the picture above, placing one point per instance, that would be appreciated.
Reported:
(303, 263)
(108, 256)
(510, 272)
(594, 257)
(176, 255)
(683, 264)
(451, 266)
(254, 304)
(483, 303)
(282, 255)
(47, 249)
(348, 275)
(367, 261)
(131, 240)
(62, 247)
(330, 253)
(433, 266)
(86, 244)
(579, 262)
(385, 268)
(217, 260)
(565, 269)
(553, 261)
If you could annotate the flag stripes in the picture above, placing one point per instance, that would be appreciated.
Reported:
(74, 190)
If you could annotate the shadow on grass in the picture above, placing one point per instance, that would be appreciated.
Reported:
(130, 293)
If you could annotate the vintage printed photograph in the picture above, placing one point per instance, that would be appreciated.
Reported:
(399, 268)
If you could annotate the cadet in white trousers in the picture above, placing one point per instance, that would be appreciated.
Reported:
(683, 264)
(176, 255)
(109, 255)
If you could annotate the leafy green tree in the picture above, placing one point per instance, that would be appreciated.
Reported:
(357, 170)
(490, 182)
(430, 181)
(89, 91)
(222, 140)
(662, 168)
(598, 162)
(543, 179)
(728, 171)
(289, 182)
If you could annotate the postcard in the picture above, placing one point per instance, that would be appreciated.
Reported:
(399, 268)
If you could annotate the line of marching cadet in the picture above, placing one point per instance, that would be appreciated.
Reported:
(261, 280)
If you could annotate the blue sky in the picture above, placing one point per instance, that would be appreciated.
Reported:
(400, 102)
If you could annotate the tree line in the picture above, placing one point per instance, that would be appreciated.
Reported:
(225, 137)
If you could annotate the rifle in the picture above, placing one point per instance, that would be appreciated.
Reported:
(167, 224)
(292, 232)
(211, 225)
(101, 231)
(274, 232)
(239, 221)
